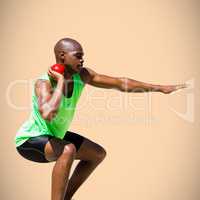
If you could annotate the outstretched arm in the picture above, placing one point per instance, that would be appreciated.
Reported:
(125, 84)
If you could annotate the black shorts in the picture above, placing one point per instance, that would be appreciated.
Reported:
(33, 148)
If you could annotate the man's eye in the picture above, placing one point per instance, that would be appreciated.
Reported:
(79, 56)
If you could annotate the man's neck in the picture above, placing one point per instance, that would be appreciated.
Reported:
(68, 76)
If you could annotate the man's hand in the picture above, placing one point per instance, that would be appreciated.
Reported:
(166, 89)
(55, 75)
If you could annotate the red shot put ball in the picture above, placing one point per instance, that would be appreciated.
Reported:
(58, 68)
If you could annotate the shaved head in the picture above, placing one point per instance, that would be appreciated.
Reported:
(70, 53)
(67, 45)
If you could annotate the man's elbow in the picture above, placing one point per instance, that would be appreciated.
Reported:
(124, 84)
(47, 114)
(49, 117)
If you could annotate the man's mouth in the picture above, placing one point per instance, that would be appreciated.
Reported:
(80, 65)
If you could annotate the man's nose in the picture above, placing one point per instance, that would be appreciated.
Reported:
(81, 61)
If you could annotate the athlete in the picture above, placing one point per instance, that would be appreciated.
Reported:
(45, 136)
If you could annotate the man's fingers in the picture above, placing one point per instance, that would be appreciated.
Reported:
(181, 86)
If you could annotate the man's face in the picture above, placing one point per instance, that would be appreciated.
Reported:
(73, 60)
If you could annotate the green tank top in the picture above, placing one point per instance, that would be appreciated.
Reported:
(35, 125)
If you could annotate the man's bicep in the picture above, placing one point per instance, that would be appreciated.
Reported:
(104, 81)
(43, 91)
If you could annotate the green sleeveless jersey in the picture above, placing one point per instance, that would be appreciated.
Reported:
(35, 125)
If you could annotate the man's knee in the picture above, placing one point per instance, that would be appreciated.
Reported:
(56, 147)
(100, 153)
(69, 150)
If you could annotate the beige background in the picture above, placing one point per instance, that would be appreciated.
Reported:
(152, 141)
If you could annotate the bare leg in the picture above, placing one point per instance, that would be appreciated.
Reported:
(91, 155)
(80, 174)
(61, 172)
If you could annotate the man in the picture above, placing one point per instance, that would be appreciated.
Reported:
(45, 136)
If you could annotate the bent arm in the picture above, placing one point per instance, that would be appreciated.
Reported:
(127, 84)
(48, 101)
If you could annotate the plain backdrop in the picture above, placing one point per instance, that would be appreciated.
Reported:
(151, 139)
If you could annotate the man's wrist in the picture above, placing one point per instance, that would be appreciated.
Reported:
(157, 88)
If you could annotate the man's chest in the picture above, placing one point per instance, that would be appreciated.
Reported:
(68, 89)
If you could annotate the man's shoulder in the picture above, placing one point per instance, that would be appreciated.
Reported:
(42, 80)
(85, 75)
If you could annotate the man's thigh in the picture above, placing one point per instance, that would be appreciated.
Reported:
(55, 146)
(87, 149)
(90, 151)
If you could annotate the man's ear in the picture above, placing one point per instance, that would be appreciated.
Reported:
(61, 55)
